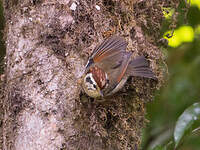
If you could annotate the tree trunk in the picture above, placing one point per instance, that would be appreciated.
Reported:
(48, 44)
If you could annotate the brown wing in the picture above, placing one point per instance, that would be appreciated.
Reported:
(111, 46)
(115, 67)
(115, 43)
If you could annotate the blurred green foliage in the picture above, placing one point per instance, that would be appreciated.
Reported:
(183, 86)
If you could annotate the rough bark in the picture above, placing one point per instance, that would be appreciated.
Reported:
(48, 44)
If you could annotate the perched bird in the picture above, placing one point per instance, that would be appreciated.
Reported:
(109, 67)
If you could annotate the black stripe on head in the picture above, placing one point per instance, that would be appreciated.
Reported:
(88, 79)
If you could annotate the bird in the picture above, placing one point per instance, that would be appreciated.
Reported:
(109, 67)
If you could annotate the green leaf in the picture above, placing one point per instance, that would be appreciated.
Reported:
(185, 122)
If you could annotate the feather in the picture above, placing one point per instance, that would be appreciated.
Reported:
(110, 46)
(116, 72)
(140, 67)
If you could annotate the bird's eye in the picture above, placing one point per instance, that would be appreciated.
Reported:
(94, 86)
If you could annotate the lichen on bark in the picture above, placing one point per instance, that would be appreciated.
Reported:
(48, 43)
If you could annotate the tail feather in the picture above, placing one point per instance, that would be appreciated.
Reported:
(139, 61)
(140, 67)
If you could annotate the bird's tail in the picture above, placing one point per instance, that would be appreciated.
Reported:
(140, 67)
